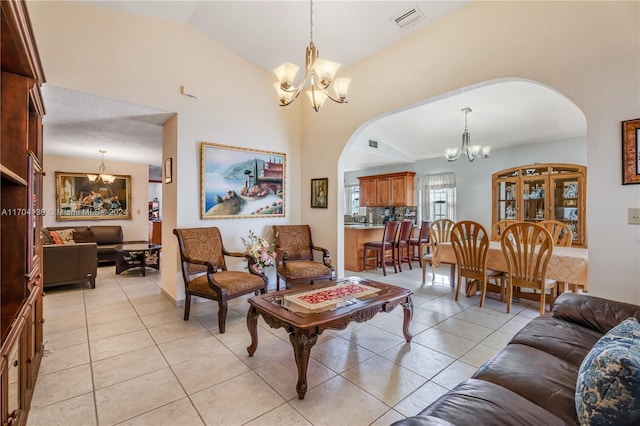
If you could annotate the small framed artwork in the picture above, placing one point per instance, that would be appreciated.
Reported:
(631, 151)
(168, 170)
(319, 189)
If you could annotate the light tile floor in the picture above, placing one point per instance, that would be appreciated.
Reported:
(120, 354)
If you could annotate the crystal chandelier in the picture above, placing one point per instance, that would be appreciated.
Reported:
(102, 172)
(320, 72)
(472, 151)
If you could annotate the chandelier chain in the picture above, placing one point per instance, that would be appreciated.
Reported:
(311, 22)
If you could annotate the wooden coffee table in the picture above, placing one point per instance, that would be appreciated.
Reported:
(305, 327)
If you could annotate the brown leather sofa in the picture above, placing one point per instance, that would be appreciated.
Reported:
(532, 381)
(70, 264)
(107, 239)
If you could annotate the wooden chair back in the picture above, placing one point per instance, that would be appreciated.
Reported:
(443, 228)
(499, 227)
(561, 234)
(470, 243)
(406, 229)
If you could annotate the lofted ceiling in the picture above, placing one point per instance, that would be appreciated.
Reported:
(504, 114)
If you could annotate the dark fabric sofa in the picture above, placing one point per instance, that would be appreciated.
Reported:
(532, 381)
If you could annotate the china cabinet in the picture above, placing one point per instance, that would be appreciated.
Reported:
(392, 189)
(21, 112)
(537, 192)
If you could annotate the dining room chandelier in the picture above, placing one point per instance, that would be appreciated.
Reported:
(472, 151)
(102, 172)
(320, 73)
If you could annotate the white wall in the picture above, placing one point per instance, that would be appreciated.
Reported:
(145, 61)
(136, 229)
(473, 180)
(587, 51)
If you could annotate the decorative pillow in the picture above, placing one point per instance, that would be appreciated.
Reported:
(66, 235)
(55, 237)
(83, 237)
(45, 236)
(608, 386)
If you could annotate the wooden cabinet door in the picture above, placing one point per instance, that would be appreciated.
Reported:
(367, 192)
(383, 192)
(399, 191)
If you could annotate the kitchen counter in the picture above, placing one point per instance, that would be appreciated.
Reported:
(355, 235)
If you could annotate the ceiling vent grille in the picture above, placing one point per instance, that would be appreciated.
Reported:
(409, 18)
(373, 144)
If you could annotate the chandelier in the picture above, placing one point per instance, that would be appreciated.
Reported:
(472, 151)
(102, 172)
(320, 72)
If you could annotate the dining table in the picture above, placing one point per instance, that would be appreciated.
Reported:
(567, 264)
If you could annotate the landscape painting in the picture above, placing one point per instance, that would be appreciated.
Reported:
(241, 183)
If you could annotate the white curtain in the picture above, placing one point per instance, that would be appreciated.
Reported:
(426, 183)
(349, 202)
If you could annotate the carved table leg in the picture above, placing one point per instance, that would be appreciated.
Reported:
(408, 315)
(252, 325)
(302, 345)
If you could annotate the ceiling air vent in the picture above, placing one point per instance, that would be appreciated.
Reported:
(373, 144)
(409, 18)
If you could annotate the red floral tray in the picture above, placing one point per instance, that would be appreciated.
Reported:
(330, 296)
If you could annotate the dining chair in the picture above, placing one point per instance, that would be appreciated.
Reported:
(470, 243)
(563, 237)
(442, 228)
(527, 248)
(294, 256)
(401, 245)
(499, 227)
(423, 238)
(427, 257)
(560, 232)
(383, 249)
(205, 273)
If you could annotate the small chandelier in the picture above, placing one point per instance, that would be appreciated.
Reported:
(102, 172)
(321, 72)
(472, 151)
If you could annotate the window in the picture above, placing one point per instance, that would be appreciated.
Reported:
(437, 197)
(351, 199)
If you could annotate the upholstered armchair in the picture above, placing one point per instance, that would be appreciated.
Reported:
(295, 256)
(205, 273)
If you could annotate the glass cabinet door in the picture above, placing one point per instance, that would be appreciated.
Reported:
(507, 199)
(534, 206)
(568, 203)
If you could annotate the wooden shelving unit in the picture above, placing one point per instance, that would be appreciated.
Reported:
(21, 173)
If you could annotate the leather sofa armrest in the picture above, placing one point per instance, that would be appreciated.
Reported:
(69, 263)
(593, 312)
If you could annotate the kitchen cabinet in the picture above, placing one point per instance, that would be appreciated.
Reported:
(393, 189)
(21, 173)
(354, 239)
(538, 192)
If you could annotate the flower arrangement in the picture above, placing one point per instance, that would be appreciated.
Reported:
(261, 249)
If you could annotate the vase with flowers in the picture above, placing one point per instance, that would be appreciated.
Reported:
(261, 249)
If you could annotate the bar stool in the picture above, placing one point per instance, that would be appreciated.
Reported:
(401, 245)
(383, 249)
(421, 241)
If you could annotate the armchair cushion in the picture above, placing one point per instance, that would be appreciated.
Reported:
(301, 269)
(234, 282)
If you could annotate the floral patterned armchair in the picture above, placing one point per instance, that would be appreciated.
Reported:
(202, 255)
(295, 261)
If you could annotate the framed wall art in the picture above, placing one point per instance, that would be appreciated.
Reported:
(631, 151)
(77, 198)
(240, 182)
(319, 188)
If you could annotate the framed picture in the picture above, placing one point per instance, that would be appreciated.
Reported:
(77, 198)
(319, 189)
(168, 171)
(631, 151)
(240, 182)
